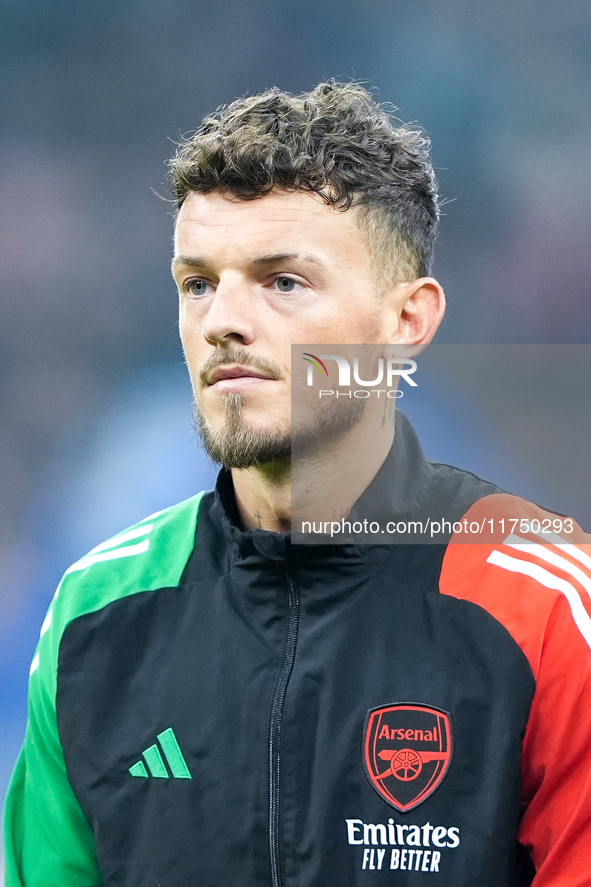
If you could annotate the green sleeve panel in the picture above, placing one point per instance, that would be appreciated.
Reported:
(48, 840)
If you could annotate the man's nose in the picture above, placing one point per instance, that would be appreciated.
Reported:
(231, 314)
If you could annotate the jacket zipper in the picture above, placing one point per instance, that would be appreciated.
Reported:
(275, 723)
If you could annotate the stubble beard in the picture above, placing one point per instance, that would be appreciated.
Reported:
(236, 444)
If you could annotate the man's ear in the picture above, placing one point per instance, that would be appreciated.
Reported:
(418, 307)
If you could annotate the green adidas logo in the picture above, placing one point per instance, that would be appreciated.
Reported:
(155, 762)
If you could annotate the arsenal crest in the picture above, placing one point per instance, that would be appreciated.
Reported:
(407, 751)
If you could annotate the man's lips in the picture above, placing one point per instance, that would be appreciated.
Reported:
(232, 377)
(235, 372)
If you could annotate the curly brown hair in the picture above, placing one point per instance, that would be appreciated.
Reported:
(335, 141)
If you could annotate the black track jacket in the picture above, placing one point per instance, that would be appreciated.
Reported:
(214, 707)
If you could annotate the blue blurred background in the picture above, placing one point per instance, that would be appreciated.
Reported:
(95, 407)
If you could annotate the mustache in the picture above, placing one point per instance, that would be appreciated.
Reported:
(240, 356)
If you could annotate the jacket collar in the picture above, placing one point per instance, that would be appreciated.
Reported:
(399, 491)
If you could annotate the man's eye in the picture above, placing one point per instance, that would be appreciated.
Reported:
(286, 284)
(197, 287)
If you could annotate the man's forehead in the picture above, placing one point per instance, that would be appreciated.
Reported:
(289, 222)
(217, 208)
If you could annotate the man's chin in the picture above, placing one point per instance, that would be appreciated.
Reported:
(239, 445)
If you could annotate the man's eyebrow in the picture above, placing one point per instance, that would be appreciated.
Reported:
(191, 261)
(201, 262)
(286, 257)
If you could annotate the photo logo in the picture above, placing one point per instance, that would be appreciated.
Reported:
(407, 751)
(388, 373)
(315, 362)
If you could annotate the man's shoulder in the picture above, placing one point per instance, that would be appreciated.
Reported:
(150, 554)
(155, 530)
(505, 531)
(528, 567)
(505, 518)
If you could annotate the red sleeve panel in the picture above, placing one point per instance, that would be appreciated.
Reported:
(538, 586)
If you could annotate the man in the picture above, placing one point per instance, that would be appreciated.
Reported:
(211, 704)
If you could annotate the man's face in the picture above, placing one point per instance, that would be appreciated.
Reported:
(255, 276)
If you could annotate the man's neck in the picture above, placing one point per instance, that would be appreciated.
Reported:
(263, 496)
(322, 485)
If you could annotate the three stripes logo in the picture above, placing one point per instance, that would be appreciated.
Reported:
(157, 756)
(116, 548)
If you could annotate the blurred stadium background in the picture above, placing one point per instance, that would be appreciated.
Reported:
(95, 408)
